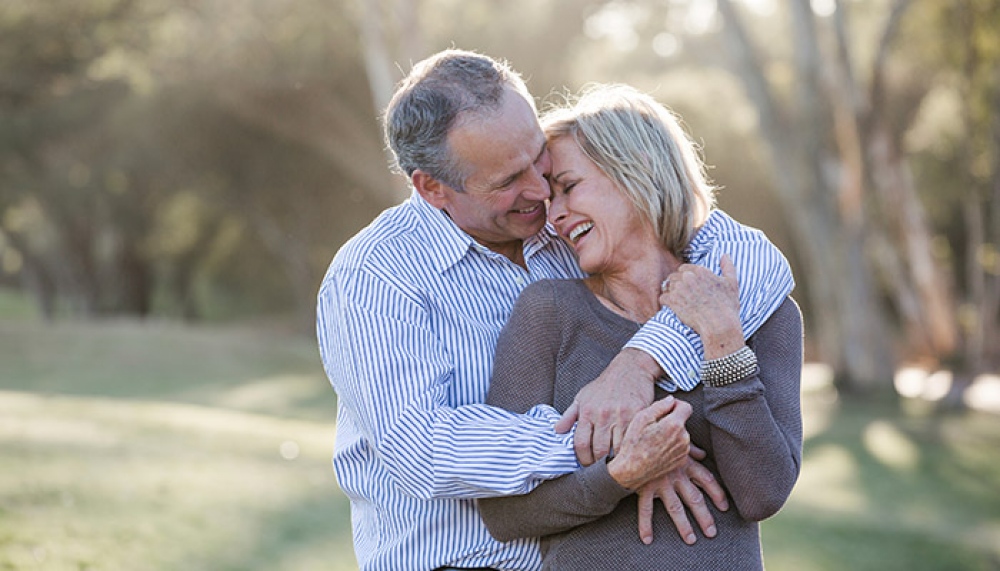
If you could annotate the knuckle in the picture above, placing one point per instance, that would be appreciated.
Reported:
(674, 506)
(696, 500)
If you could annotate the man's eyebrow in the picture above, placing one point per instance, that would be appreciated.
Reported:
(509, 180)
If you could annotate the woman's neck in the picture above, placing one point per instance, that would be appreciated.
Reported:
(634, 291)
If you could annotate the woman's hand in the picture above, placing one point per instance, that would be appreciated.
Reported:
(655, 443)
(683, 486)
(708, 304)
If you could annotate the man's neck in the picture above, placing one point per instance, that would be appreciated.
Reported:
(513, 251)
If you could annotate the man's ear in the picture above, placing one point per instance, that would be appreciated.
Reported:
(435, 192)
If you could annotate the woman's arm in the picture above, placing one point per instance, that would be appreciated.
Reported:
(756, 433)
(524, 372)
(756, 422)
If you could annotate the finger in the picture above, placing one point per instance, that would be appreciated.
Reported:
(581, 443)
(695, 502)
(646, 499)
(565, 423)
(727, 267)
(601, 441)
(681, 410)
(617, 436)
(675, 509)
(705, 480)
(697, 453)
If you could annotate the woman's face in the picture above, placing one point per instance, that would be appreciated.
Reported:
(590, 213)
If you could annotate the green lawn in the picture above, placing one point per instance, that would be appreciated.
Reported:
(129, 446)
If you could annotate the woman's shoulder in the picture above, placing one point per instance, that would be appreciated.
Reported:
(550, 294)
(549, 287)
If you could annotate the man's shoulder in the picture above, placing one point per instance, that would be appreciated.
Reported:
(387, 233)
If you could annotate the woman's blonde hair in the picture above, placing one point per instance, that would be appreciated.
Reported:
(640, 145)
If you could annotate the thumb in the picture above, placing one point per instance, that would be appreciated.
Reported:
(697, 453)
(727, 267)
(569, 417)
(662, 407)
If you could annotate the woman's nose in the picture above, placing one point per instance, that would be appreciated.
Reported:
(557, 210)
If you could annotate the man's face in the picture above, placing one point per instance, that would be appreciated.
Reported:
(507, 162)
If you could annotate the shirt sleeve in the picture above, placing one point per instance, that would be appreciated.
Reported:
(765, 280)
(392, 374)
(756, 423)
(524, 373)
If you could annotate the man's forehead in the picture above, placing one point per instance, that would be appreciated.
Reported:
(496, 146)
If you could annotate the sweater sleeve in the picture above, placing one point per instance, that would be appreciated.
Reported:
(756, 423)
(524, 372)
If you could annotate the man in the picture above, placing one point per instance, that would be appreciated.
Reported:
(408, 317)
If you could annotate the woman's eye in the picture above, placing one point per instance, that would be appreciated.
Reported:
(568, 187)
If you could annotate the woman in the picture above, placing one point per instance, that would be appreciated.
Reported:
(628, 192)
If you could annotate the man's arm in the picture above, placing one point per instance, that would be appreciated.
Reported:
(391, 371)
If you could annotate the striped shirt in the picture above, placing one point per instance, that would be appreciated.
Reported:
(408, 317)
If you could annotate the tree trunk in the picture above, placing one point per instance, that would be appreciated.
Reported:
(848, 321)
(381, 61)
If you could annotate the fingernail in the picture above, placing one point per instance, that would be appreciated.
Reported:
(710, 532)
(647, 540)
(690, 539)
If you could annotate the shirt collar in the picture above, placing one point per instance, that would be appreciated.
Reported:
(452, 243)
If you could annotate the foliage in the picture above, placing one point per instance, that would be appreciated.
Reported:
(206, 159)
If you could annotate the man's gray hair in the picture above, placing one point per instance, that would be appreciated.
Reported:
(439, 92)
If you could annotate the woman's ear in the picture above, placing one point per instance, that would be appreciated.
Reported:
(435, 192)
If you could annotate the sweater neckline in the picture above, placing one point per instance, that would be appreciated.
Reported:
(602, 310)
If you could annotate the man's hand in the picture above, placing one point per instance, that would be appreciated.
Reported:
(680, 488)
(604, 408)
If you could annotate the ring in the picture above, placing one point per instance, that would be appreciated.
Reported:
(664, 284)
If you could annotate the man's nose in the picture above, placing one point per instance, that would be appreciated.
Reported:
(538, 187)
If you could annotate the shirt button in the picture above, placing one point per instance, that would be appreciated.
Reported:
(692, 374)
(518, 280)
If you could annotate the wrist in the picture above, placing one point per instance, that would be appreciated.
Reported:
(724, 342)
(733, 367)
(620, 474)
(642, 362)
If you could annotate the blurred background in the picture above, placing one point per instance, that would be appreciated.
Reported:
(175, 175)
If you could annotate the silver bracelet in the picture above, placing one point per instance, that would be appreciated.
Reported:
(729, 369)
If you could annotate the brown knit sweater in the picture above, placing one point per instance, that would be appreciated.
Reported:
(559, 338)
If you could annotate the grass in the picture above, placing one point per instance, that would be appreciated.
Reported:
(130, 446)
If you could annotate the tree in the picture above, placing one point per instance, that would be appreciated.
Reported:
(958, 142)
